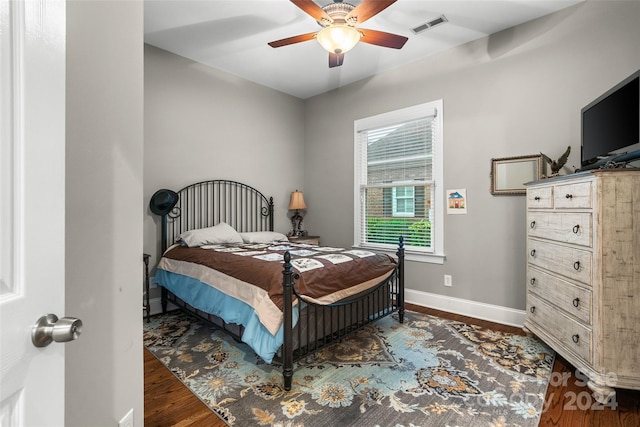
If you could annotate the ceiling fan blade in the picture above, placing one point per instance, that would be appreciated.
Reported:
(368, 8)
(380, 38)
(336, 59)
(312, 9)
(293, 40)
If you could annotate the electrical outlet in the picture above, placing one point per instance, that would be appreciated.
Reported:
(127, 420)
(447, 280)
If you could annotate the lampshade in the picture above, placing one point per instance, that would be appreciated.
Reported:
(297, 201)
(338, 38)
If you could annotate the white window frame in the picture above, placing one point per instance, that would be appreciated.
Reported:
(436, 254)
(394, 201)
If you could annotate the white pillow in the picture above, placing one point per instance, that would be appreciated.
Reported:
(220, 233)
(263, 237)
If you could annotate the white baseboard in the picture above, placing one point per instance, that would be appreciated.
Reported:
(479, 310)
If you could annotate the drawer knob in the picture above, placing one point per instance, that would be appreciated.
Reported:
(532, 309)
(575, 338)
(537, 198)
(576, 265)
(576, 302)
(576, 228)
(569, 196)
(533, 281)
(533, 252)
(533, 224)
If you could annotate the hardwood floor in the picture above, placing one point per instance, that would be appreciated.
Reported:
(169, 403)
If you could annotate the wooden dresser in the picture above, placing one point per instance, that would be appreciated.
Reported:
(583, 274)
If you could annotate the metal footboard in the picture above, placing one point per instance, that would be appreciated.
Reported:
(320, 325)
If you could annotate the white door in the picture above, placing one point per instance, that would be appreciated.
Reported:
(32, 203)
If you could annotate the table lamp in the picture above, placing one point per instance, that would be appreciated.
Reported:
(296, 204)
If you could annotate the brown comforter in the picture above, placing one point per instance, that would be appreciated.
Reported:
(317, 283)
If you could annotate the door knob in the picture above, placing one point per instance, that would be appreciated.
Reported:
(49, 328)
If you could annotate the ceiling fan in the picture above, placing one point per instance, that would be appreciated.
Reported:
(340, 32)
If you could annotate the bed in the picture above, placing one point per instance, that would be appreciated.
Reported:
(223, 262)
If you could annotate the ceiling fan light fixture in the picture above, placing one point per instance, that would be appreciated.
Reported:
(338, 38)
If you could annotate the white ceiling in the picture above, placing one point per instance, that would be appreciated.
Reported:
(232, 35)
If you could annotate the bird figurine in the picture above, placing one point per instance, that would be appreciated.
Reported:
(556, 165)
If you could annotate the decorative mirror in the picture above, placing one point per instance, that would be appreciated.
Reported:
(509, 174)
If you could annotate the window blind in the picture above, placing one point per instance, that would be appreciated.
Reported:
(396, 183)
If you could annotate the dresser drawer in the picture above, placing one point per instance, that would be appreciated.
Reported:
(571, 334)
(566, 261)
(569, 196)
(570, 298)
(540, 198)
(565, 227)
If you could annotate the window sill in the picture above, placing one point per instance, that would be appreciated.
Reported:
(409, 255)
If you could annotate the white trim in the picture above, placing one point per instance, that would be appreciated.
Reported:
(402, 115)
(409, 255)
(479, 310)
(439, 203)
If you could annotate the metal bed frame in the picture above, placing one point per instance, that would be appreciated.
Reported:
(207, 203)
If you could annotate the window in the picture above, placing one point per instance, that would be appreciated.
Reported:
(398, 181)
(404, 201)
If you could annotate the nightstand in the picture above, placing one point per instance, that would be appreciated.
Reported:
(309, 240)
(147, 306)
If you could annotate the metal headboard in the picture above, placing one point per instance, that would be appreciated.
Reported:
(207, 203)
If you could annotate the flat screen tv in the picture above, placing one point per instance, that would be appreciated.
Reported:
(611, 123)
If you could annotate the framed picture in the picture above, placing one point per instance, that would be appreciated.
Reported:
(457, 201)
(509, 174)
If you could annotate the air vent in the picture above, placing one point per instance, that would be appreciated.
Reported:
(428, 25)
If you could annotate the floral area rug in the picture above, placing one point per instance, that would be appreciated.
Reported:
(425, 372)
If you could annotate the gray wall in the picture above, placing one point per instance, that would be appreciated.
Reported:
(202, 124)
(104, 369)
(518, 92)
